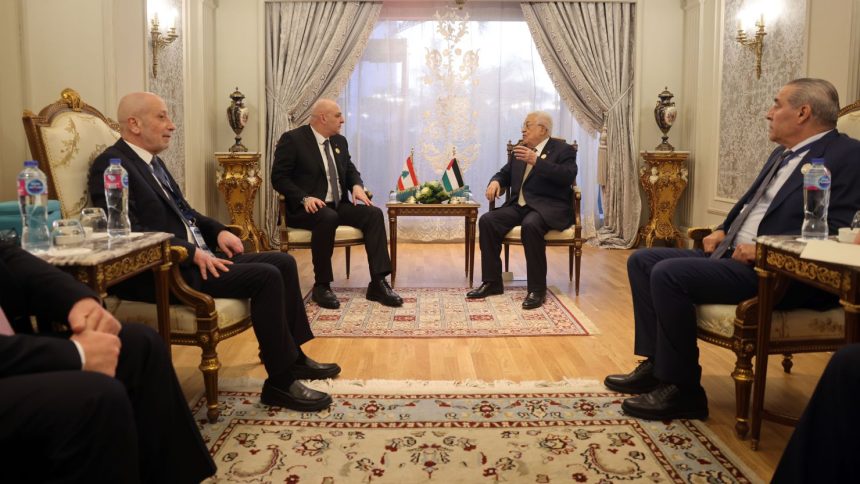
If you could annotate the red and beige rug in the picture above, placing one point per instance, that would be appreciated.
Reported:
(465, 432)
(445, 312)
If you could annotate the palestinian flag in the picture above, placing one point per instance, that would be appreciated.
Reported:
(452, 179)
(407, 176)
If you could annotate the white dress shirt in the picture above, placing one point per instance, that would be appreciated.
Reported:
(329, 198)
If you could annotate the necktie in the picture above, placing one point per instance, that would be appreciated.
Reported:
(738, 222)
(180, 205)
(332, 174)
(5, 327)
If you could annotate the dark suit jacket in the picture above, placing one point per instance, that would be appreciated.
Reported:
(784, 216)
(31, 286)
(548, 187)
(299, 169)
(150, 210)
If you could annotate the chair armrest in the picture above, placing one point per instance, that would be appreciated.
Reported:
(577, 206)
(202, 303)
(238, 231)
(696, 234)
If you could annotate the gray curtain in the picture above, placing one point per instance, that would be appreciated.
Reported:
(587, 48)
(311, 50)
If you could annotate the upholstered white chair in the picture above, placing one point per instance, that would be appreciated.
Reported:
(292, 238)
(849, 120)
(570, 237)
(65, 137)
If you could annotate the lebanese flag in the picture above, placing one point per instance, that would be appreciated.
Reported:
(407, 176)
(452, 179)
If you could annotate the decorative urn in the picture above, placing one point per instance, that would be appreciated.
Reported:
(237, 117)
(665, 114)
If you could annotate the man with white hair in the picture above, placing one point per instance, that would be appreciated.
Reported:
(315, 174)
(540, 173)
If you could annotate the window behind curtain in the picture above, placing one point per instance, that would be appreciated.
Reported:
(390, 107)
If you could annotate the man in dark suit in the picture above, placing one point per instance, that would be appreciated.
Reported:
(314, 172)
(540, 173)
(270, 280)
(666, 284)
(101, 406)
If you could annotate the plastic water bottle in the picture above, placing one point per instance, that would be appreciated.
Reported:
(816, 198)
(116, 194)
(33, 201)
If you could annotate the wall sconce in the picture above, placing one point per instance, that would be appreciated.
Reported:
(756, 43)
(159, 40)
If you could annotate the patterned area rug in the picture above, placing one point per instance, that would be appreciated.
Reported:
(466, 432)
(445, 312)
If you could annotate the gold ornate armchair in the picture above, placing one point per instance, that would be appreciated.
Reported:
(796, 331)
(570, 237)
(293, 238)
(65, 137)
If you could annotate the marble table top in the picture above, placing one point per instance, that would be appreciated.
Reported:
(96, 250)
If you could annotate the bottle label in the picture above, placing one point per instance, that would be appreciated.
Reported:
(816, 182)
(125, 180)
(114, 181)
(31, 187)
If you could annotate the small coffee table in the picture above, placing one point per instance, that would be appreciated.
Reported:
(468, 210)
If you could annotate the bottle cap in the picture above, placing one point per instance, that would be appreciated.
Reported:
(818, 161)
(31, 163)
(117, 161)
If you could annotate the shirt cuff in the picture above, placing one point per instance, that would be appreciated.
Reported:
(81, 353)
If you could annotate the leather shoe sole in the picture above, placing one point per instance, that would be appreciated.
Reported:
(311, 370)
(534, 300)
(296, 397)
(486, 289)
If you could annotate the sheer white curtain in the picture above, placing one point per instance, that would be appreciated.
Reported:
(418, 87)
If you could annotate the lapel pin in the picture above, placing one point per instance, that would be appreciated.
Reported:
(337, 150)
(543, 156)
(805, 168)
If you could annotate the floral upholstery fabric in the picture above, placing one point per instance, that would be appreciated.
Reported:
(343, 232)
(182, 318)
(797, 324)
(72, 142)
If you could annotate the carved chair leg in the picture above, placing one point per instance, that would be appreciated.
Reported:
(743, 376)
(570, 252)
(347, 261)
(210, 365)
(578, 259)
(787, 362)
(507, 254)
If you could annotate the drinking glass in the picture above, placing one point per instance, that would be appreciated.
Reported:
(855, 224)
(94, 221)
(67, 233)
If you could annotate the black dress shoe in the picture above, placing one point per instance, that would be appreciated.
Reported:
(667, 402)
(379, 290)
(296, 397)
(311, 370)
(323, 295)
(534, 299)
(486, 289)
(640, 380)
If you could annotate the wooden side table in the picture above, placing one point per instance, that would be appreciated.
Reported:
(469, 212)
(663, 178)
(239, 181)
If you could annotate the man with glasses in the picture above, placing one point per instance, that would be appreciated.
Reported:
(540, 173)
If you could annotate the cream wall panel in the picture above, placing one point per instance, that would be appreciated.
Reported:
(13, 145)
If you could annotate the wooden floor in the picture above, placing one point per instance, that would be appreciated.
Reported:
(604, 298)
